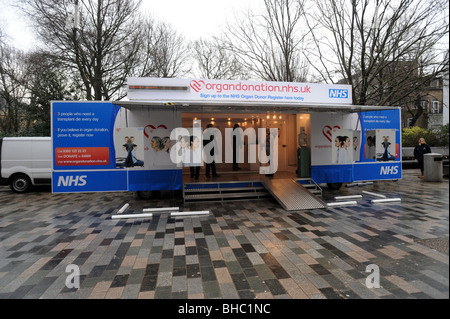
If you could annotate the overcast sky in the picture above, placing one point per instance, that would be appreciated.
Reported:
(192, 18)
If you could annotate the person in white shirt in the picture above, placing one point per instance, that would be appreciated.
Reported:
(163, 155)
(337, 144)
(371, 149)
(184, 150)
(344, 156)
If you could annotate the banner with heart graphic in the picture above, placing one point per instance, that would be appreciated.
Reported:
(216, 90)
(325, 128)
(156, 127)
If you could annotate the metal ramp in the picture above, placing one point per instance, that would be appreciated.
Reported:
(292, 195)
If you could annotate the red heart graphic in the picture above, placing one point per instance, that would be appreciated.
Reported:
(151, 130)
(327, 131)
(197, 85)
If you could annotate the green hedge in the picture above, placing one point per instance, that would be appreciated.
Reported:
(411, 135)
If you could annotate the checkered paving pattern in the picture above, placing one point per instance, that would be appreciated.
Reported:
(244, 249)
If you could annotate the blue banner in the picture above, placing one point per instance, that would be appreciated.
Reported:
(82, 134)
(84, 152)
(89, 181)
(381, 136)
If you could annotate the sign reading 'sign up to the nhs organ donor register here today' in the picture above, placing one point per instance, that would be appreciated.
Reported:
(83, 148)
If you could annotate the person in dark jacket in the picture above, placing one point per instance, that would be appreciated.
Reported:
(210, 166)
(419, 151)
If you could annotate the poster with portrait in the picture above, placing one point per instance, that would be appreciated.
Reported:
(158, 148)
(385, 145)
(342, 149)
(129, 146)
(370, 145)
(356, 146)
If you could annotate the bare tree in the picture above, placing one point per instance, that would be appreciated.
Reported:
(46, 82)
(13, 95)
(215, 62)
(269, 44)
(387, 50)
(166, 51)
(105, 41)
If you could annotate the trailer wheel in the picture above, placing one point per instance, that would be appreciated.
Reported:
(334, 185)
(144, 194)
(20, 183)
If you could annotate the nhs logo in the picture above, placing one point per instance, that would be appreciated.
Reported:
(89, 181)
(338, 93)
(72, 180)
(388, 170)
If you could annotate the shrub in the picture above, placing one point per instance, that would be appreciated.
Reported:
(444, 136)
(411, 135)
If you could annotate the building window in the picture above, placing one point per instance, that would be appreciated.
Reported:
(423, 103)
(435, 106)
(409, 120)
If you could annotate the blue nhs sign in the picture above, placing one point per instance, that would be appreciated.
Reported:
(338, 93)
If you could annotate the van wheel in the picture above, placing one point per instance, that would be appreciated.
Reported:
(20, 183)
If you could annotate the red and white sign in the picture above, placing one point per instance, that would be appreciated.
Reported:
(81, 156)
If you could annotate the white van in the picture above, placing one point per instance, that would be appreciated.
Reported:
(25, 161)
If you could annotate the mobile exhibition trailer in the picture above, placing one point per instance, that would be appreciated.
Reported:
(341, 142)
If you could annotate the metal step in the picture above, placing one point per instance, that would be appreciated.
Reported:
(310, 184)
(222, 191)
(291, 195)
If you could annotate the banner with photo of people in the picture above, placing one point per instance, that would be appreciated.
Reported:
(355, 147)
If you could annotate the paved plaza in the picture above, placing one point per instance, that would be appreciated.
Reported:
(242, 250)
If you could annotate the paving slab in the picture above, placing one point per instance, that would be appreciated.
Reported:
(242, 250)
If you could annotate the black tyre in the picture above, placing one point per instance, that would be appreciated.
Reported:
(20, 183)
(334, 185)
(145, 194)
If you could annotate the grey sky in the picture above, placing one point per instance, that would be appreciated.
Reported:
(193, 19)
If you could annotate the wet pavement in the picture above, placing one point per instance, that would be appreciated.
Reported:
(243, 249)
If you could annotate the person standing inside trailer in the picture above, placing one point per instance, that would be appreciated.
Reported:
(419, 151)
(196, 157)
(208, 138)
(237, 145)
(183, 151)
